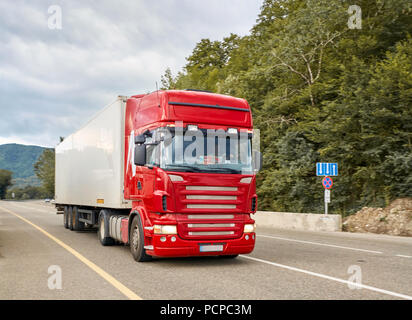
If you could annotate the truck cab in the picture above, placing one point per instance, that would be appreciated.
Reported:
(190, 169)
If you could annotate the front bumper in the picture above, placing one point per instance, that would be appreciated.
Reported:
(186, 248)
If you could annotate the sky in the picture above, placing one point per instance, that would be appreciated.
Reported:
(52, 79)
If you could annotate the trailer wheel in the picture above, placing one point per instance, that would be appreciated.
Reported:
(103, 231)
(77, 225)
(66, 217)
(70, 217)
(136, 240)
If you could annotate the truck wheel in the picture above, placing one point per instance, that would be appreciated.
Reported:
(103, 231)
(136, 240)
(66, 217)
(77, 225)
(70, 217)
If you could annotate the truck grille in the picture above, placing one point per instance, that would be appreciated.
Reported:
(210, 216)
(210, 197)
(211, 225)
(211, 188)
(210, 233)
(199, 226)
(211, 208)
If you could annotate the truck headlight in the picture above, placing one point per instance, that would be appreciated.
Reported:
(249, 228)
(164, 229)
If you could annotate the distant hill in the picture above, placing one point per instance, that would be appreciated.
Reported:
(19, 159)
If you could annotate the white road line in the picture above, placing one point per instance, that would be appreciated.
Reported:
(320, 244)
(106, 276)
(319, 275)
(35, 209)
(403, 256)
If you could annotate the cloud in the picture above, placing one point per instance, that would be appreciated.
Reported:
(51, 81)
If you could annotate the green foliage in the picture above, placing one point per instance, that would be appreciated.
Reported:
(320, 92)
(26, 193)
(5, 182)
(19, 159)
(167, 80)
(22, 182)
(45, 169)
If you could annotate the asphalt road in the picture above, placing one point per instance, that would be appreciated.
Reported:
(284, 265)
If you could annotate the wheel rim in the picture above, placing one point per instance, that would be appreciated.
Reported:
(102, 229)
(135, 239)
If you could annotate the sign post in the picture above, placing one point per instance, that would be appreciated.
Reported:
(327, 200)
(327, 183)
(327, 170)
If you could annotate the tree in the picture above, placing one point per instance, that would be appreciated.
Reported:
(44, 169)
(26, 193)
(167, 80)
(321, 92)
(299, 47)
(5, 182)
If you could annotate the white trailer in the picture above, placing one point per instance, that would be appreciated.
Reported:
(90, 162)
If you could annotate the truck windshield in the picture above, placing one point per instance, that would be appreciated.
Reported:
(207, 151)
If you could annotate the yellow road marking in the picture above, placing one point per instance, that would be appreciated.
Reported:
(115, 283)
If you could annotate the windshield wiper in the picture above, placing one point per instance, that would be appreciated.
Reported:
(204, 169)
(183, 166)
(224, 170)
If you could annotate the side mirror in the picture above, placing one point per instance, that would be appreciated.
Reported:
(140, 139)
(257, 160)
(140, 155)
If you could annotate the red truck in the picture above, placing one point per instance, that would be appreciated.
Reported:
(171, 173)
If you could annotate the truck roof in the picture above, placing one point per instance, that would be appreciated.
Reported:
(192, 106)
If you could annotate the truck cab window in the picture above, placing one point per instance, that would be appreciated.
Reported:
(152, 152)
(211, 154)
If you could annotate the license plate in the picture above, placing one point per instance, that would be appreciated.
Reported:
(211, 248)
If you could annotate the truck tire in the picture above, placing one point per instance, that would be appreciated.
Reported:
(103, 230)
(66, 217)
(70, 217)
(77, 225)
(136, 241)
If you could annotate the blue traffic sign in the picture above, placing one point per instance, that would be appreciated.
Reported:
(326, 169)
